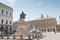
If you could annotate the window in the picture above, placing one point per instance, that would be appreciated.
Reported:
(10, 14)
(2, 11)
(53, 30)
(44, 29)
(2, 21)
(6, 21)
(48, 30)
(39, 29)
(6, 12)
(10, 22)
(6, 27)
(2, 28)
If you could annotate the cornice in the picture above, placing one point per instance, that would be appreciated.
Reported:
(3, 5)
(6, 16)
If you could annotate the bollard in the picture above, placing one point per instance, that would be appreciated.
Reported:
(29, 38)
(14, 37)
(8, 36)
(21, 37)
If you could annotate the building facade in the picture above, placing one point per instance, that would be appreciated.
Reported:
(44, 24)
(6, 17)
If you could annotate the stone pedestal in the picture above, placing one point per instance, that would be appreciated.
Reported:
(22, 28)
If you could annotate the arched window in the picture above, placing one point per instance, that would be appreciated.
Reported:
(44, 29)
(48, 30)
(2, 21)
(39, 29)
(51, 30)
(2, 11)
(2, 28)
(6, 31)
(10, 22)
(6, 28)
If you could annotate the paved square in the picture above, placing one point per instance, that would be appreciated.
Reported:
(50, 36)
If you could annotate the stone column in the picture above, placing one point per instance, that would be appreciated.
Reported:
(2, 34)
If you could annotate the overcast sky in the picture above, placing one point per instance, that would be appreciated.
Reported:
(34, 8)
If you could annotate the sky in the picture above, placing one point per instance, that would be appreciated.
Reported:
(34, 8)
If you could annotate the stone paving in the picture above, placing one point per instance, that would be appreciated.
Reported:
(46, 36)
(49, 36)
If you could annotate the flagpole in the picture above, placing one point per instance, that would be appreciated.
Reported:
(59, 19)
